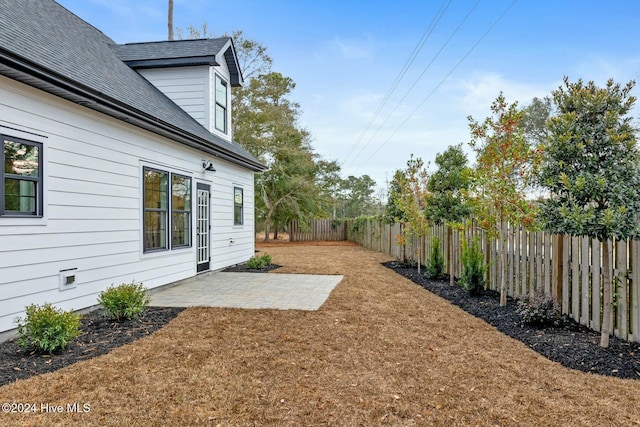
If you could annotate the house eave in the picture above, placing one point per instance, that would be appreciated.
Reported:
(35, 76)
(172, 62)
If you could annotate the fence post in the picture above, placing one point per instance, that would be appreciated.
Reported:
(558, 251)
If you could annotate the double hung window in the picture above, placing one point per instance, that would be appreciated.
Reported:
(238, 206)
(21, 177)
(167, 210)
(221, 105)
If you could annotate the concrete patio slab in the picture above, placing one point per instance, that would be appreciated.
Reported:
(248, 290)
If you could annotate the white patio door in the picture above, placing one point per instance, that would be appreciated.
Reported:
(203, 229)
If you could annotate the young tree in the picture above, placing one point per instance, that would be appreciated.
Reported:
(591, 168)
(447, 186)
(502, 175)
(411, 200)
(392, 212)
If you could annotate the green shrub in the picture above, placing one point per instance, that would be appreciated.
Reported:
(435, 263)
(539, 309)
(126, 301)
(46, 328)
(473, 267)
(259, 262)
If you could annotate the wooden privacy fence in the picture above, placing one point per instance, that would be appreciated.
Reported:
(569, 268)
(318, 229)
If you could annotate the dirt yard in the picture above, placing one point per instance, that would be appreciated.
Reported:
(381, 351)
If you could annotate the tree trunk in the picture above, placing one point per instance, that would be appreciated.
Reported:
(170, 20)
(503, 267)
(267, 226)
(419, 254)
(607, 296)
(452, 279)
(275, 232)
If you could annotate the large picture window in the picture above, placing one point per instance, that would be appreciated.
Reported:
(167, 210)
(238, 206)
(221, 105)
(20, 177)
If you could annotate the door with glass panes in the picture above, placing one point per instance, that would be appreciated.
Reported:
(203, 229)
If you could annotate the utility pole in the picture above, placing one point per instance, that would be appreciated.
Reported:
(170, 20)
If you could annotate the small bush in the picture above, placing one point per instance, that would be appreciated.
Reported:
(473, 267)
(259, 262)
(125, 301)
(435, 263)
(539, 309)
(46, 328)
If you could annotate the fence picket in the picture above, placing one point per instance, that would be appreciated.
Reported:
(584, 281)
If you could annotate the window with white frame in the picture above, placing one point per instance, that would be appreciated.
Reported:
(238, 206)
(221, 104)
(21, 177)
(167, 210)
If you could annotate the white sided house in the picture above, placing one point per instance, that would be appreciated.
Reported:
(118, 162)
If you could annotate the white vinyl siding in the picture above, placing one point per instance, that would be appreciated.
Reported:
(93, 206)
(186, 86)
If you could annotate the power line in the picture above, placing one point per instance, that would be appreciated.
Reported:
(428, 66)
(442, 81)
(425, 36)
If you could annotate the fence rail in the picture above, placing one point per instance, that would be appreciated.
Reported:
(569, 268)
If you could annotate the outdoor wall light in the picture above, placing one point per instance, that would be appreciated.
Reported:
(208, 166)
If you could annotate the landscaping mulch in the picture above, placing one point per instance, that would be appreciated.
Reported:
(381, 351)
(100, 335)
(242, 268)
(567, 342)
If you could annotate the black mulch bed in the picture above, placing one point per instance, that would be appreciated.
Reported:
(242, 268)
(99, 336)
(568, 343)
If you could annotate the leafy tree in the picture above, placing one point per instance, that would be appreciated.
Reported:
(447, 186)
(393, 213)
(591, 168)
(355, 195)
(534, 121)
(411, 200)
(502, 175)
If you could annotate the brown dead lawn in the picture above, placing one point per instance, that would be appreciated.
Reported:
(380, 351)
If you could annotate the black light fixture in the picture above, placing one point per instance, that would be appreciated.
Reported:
(207, 165)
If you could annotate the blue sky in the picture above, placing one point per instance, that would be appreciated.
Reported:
(344, 56)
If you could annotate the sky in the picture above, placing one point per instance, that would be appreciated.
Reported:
(364, 101)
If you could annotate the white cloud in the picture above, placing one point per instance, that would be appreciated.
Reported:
(475, 93)
(353, 48)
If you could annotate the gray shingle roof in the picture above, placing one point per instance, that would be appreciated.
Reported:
(180, 53)
(45, 45)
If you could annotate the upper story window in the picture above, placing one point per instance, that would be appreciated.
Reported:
(20, 177)
(167, 210)
(221, 104)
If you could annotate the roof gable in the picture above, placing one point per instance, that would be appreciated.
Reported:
(44, 45)
(177, 53)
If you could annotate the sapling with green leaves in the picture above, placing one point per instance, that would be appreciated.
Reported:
(411, 199)
(502, 176)
(446, 202)
(591, 168)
